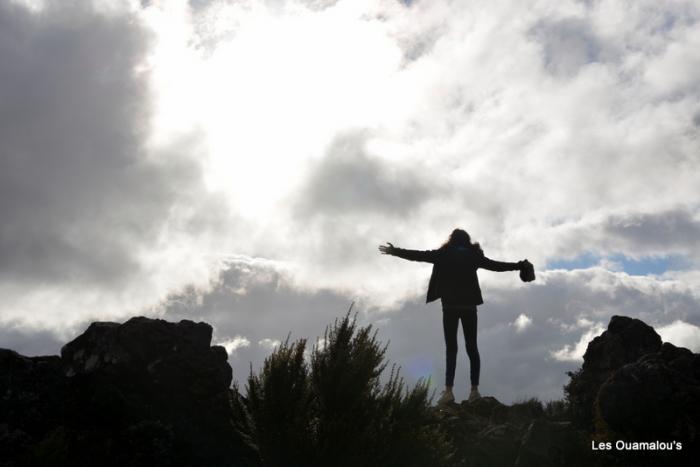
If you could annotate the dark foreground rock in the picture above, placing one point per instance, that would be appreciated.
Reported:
(146, 392)
(625, 341)
(634, 389)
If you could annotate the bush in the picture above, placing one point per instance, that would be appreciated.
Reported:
(558, 410)
(527, 409)
(335, 411)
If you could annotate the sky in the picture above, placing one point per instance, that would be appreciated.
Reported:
(238, 162)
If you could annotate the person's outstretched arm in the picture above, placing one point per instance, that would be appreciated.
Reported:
(499, 266)
(426, 256)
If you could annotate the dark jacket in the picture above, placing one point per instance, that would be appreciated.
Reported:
(454, 276)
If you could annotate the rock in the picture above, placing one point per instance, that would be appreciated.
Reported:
(146, 392)
(625, 340)
(140, 341)
(655, 398)
(483, 407)
(633, 388)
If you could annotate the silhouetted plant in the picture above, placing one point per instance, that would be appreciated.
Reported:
(527, 408)
(278, 406)
(557, 410)
(579, 395)
(335, 411)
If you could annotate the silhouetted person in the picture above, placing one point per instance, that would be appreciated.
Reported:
(454, 280)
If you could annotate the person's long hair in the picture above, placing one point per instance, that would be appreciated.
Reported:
(458, 238)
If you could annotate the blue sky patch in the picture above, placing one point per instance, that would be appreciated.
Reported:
(653, 265)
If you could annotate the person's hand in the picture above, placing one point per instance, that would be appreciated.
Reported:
(387, 249)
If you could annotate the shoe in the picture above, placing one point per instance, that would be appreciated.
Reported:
(474, 395)
(446, 398)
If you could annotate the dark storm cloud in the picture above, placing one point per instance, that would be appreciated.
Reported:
(79, 196)
(350, 180)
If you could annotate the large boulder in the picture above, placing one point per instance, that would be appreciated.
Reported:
(625, 341)
(145, 392)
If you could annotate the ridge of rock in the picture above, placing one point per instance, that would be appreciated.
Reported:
(143, 392)
(625, 340)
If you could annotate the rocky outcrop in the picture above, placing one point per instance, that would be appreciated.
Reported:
(146, 392)
(656, 398)
(625, 341)
(632, 388)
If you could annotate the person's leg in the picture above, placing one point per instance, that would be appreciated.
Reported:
(469, 325)
(450, 320)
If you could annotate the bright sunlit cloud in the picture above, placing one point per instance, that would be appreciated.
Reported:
(681, 334)
(575, 352)
(271, 95)
(232, 345)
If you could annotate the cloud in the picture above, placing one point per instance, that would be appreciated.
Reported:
(676, 229)
(349, 181)
(269, 344)
(568, 45)
(564, 309)
(232, 345)
(71, 167)
(522, 322)
(256, 301)
(681, 334)
(94, 214)
(574, 353)
(239, 163)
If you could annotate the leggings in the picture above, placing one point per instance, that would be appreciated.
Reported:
(450, 320)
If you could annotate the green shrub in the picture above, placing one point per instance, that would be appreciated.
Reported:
(335, 411)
